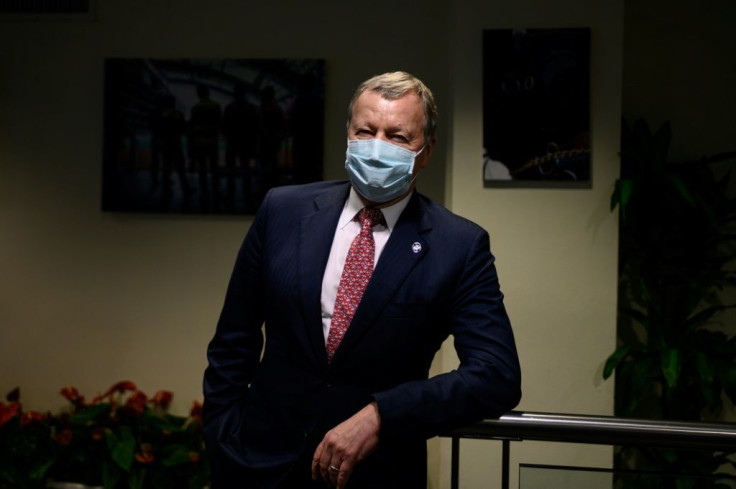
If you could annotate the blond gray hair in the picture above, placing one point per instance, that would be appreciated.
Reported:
(396, 84)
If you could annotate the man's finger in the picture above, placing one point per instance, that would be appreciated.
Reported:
(333, 473)
(346, 470)
(325, 461)
(315, 461)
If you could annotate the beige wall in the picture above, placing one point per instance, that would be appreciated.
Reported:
(679, 67)
(556, 249)
(88, 298)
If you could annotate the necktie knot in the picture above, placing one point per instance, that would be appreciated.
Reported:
(369, 217)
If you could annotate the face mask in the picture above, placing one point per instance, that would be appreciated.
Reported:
(378, 170)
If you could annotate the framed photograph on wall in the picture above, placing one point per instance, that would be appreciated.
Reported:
(536, 108)
(209, 135)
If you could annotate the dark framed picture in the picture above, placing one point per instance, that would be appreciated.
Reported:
(536, 108)
(209, 135)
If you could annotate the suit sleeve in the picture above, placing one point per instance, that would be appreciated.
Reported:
(234, 352)
(488, 381)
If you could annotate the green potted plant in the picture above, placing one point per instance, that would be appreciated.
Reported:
(121, 439)
(24, 445)
(676, 257)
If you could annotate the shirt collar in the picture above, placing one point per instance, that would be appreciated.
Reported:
(391, 213)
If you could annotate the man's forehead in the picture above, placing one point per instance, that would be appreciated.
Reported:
(406, 101)
(411, 93)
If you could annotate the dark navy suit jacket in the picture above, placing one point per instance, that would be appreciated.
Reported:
(436, 277)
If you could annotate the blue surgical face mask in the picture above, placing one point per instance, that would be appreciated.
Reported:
(379, 171)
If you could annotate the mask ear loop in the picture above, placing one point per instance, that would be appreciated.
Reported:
(414, 178)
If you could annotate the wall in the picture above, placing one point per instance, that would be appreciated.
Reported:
(88, 298)
(556, 249)
(679, 67)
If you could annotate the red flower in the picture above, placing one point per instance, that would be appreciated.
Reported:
(30, 416)
(64, 438)
(72, 395)
(8, 411)
(119, 387)
(122, 386)
(196, 411)
(145, 456)
(163, 399)
(193, 457)
(137, 402)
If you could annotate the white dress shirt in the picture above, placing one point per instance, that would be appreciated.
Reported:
(347, 229)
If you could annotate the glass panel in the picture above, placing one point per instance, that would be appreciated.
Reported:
(554, 477)
(563, 477)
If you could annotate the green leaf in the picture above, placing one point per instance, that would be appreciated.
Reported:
(622, 195)
(9, 476)
(671, 366)
(668, 454)
(169, 423)
(682, 189)
(38, 472)
(122, 447)
(175, 455)
(636, 378)
(684, 482)
(615, 359)
(641, 375)
(727, 378)
(702, 317)
(708, 386)
(91, 413)
(636, 315)
(136, 479)
(706, 369)
(111, 474)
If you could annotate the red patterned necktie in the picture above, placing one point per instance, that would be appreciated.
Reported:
(355, 276)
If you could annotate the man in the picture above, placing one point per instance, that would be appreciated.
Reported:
(341, 401)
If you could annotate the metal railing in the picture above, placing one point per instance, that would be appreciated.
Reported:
(597, 430)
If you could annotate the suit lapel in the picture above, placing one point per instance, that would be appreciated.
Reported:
(405, 248)
(317, 230)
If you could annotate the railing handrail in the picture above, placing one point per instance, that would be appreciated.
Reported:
(603, 430)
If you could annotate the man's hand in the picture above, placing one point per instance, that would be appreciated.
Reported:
(345, 445)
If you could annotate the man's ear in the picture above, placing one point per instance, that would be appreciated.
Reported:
(427, 153)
